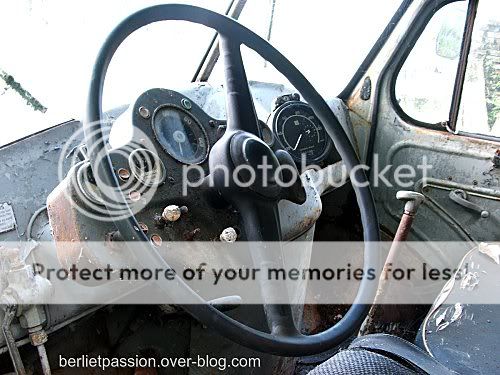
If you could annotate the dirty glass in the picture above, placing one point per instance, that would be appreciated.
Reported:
(325, 40)
(49, 46)
(480, 105)
(424, 85)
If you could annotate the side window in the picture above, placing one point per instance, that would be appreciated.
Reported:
(425, 82)
(480, 105)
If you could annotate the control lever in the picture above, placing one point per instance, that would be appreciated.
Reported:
(460, 197)
(412, 200)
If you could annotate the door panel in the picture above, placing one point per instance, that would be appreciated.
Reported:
(460, 164)
(457, 163)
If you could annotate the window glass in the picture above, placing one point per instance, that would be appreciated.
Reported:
(49, 48)
(325, 40)
(480, 104)
(424, 86)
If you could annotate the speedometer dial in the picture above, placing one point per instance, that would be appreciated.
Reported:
(180, 135)
(300, 132)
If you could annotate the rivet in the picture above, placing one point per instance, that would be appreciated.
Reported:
(144, 112)
(186, 104)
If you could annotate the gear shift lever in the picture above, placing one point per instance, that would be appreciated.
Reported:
(412, 200)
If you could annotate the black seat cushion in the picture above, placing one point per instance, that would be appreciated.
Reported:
(362, 362)
(381, 354)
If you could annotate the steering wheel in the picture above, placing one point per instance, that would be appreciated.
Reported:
(258, 206)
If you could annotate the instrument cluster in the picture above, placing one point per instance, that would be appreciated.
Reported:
(185, 132)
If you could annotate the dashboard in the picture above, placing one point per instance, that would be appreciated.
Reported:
(36, 160)
(184, 132)
(173, 132)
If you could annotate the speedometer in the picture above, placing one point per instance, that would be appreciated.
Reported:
(300, 132)
(180, 135)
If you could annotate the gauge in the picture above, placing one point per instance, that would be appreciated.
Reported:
(180, 135)
(300, 132)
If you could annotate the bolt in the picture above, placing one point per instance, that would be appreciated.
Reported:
(186, 104)
(38, 338)
(485, 214)
(228, 235)
(144, 112)
(211, 123)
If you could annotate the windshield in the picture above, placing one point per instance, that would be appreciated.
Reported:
(49, 47)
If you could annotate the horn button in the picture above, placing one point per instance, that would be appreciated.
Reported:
(256, 165)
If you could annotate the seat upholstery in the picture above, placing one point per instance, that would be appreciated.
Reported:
(381, 354)
(362, 362)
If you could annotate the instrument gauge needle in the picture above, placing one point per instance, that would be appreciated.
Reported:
(298, 141)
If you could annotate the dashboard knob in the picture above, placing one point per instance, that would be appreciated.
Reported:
(173, 212)
(229, 235)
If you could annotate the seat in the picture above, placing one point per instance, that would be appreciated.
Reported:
(454, 337)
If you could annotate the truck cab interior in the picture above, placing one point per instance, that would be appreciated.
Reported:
(401, 165)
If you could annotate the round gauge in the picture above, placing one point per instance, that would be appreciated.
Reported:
(300, 132)
(181, 135)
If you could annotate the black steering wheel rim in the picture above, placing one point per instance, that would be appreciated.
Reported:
(101, 164)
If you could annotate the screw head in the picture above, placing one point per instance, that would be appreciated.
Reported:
(186, 104)
(144, 112)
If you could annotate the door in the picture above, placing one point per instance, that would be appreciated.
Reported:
(433, 118)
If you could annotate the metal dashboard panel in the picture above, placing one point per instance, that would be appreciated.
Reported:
(29, 169)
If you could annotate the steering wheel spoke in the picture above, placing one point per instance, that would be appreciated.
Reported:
(239, 103)
(262, 226)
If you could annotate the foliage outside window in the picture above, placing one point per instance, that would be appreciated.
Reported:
(480, 105)
(425, 82)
